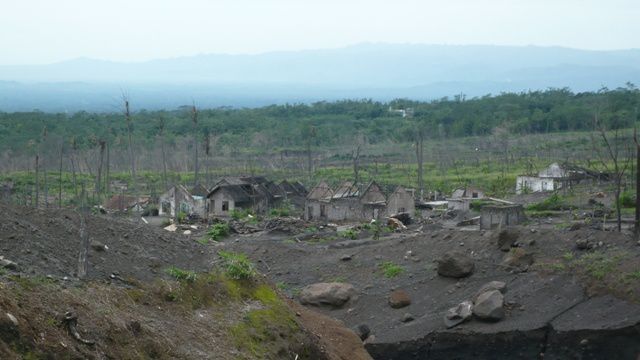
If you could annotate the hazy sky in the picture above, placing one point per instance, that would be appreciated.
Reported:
(43, 31)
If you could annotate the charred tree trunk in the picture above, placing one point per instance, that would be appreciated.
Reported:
(127, 116)
(37, 180)
(107, 183)
(102, 145)
(60, 177)
(194, 119)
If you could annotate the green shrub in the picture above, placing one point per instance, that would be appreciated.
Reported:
(627, 200)
(553, 202)
(239, 214)
(349, 234)
(181, 216)
(237, 266)
(218, 231)
(180, 274)
(391, 270)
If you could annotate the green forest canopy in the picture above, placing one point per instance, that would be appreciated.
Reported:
(333, 123)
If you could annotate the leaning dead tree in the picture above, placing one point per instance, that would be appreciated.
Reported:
(637, 214)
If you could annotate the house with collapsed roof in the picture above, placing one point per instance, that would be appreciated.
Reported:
(124, 203)
(255, 193)
(557, 176)
(356, 202)
(178, 199)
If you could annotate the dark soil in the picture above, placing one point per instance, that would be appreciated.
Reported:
(562, 284)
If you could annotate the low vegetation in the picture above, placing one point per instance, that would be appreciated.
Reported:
(237, 266)
(390, 269)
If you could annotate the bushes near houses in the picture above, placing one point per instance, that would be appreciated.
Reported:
(237, 266)
(218, 231)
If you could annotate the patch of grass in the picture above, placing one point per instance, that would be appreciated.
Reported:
(390, 269)
(553, 202)
(349, 234)
(181, 275)
(237, 266)
(282, 286)
(218, 231)
(239, 214)
(311, 229)
(635, 275)
(598, 265)
(568, 256)
(289, 241)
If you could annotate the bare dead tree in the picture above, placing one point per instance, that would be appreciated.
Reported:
(637, 212)
(37, 179)
(127, 116)
(46, 184)
(611, 153)
(161, 128)
(102, 146)
(194, 119)
(60, 176)
(83, 258)
(74, 149)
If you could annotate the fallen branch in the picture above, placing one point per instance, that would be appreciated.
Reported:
(71, 321)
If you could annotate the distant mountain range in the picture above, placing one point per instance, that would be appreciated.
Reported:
(378, 71)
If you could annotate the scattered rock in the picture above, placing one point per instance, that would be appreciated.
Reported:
(493, 285)
(576, 226)
(395, 224)
(362, 331)
(327, 294)
(583, 244)
(489, 306)
(399, 299)
(507, 238)
(518, 258)
(455, 264)
(459, 314)
(186, 232)
(405, 218)
(407, 317)
(98, 246)
(346, 257)
(9, 330)
(13, 319)
(171, 228)
(8, 264)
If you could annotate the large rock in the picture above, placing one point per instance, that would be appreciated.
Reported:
(455, 264)
(518, 258)
(327, 294)
(489, 306)
(399, 299)
(507, 238)
(459, 314)
(8, 264)
(492, 285)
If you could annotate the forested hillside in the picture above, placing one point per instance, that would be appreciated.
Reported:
(287, 126)
(478, 140)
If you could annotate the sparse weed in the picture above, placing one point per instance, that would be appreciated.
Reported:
(391, 270)
(237, 266)
(180, 274)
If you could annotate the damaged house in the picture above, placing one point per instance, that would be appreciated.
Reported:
(126, 203)
(254, 193)
(350, 202)
(557, 176)
(179, 199)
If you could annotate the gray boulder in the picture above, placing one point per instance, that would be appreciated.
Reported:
(8, 264)
(489, 306)
(459, 314)
(327, 294)
(455, 264)
(492, 285)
